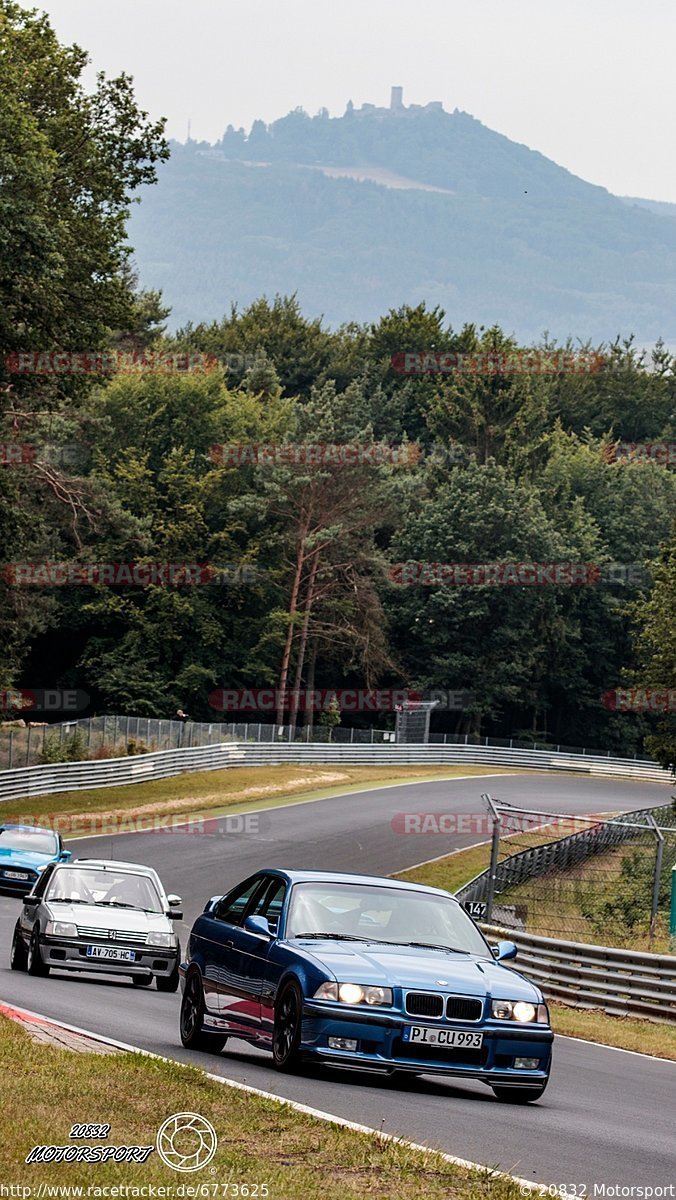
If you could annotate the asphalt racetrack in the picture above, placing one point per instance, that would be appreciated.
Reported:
(607, 1118)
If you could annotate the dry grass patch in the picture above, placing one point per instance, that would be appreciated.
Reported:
(213, 791)
(47, 1090)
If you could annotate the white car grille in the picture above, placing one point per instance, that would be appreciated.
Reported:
(112, 935)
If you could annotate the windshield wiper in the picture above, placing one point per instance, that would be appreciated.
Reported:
(63, 900)
(114, 904)
(337, 937)
(431, 946)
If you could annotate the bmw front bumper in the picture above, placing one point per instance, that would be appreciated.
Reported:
(381, 1046)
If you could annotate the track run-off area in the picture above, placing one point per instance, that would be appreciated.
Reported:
(608, 1117)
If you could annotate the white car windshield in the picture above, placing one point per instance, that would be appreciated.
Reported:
(107, 888)
(360, 912)
(38, 841)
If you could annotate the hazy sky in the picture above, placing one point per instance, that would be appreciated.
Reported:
(590, 83)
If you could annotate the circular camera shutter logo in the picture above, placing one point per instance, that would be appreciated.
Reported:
(186, 1142)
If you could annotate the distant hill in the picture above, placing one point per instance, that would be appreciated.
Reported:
(364, 212)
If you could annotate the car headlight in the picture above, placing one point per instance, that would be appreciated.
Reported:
(61, 929)
(520, 1010)
(354, 993)
(168, 940)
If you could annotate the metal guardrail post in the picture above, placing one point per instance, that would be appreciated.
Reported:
(672, 920)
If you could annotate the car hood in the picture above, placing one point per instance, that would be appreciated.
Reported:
(23, 858)
(409, 967)
(96, 917)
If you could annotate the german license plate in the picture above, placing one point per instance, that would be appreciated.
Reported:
(422, 1035)
(111, 952)
(16, 875)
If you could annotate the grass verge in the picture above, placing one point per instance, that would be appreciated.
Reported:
(626, 1033)
(629, 1033)
(47, 1090)
(213, 792)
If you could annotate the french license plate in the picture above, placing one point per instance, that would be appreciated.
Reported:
(422, 1035)
(111, 952)
(16, 875)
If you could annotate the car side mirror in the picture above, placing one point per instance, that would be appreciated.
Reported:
(30, 900)
(65, 855)
(174, 903)
(504, 951)
(211, 903)
(259, 925)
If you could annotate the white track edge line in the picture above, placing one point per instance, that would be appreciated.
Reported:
(296, 1105)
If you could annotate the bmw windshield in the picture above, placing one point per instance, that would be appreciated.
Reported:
(359, 912)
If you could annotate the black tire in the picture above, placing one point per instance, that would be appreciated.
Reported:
(169, 983)
(519, 1095)
(141, 980)
(192, 1015)
(34, 963)
(287, 1028)
(18, 959)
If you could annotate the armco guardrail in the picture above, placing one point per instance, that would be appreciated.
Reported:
(115, 772)
(563, 853)
(619, 981)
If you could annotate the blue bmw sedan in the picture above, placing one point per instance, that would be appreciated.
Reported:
(25, 851)
(364, 972)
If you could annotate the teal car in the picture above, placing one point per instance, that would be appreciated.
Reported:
(25, 851)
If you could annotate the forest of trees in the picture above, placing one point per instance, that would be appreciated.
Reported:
(502, 466)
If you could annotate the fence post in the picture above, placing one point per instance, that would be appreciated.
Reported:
(11, 744)
(672, 921)
(495, 849)
(28, 746)
(659, 848)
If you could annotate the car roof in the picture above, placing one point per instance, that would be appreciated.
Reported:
(338, 877)
(26, 828)
(111, 864)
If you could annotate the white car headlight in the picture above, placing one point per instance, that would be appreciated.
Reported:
(61, 929)
(520, 1010)
(354, 993)
(168, 940)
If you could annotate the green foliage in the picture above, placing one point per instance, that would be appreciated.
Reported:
(73, 748)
